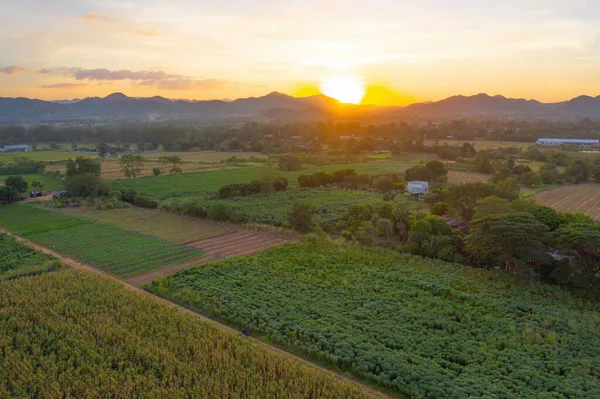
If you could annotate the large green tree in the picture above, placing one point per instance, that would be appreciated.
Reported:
(17, 182)
(514, 237)
(131, 165)
(582, 240)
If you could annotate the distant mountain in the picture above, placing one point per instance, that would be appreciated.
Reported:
(119, 107)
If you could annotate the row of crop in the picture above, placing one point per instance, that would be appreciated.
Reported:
(72, 334)
(422, 328)
(117, 251)
(27, 220)
(18, 260)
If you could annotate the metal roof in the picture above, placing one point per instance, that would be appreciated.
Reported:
(574, 141)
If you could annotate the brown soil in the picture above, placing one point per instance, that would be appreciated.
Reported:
(240, 243)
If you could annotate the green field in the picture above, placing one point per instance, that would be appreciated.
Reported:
(328, 205)
(71, 334)
(116, 251)
(422, 328)
(50, 183)
(200, 184)
(18, 260)
(46, 156)
(152, 222)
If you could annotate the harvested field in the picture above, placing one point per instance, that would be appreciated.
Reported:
(245, 242)
(168, 226)
(584, 198)
(460, 177)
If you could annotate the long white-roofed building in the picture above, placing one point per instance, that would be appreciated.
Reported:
(556, 142)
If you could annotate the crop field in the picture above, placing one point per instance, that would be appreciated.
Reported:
(482, 144)
(18, 260)
(274, 208)
(460, 177)
(240, 243)
(46, 156)
(421, 328)
(73, 334)
(111, 249)
(200, 184)
(584, 198)
(174, 228)
(49, 183)
(210, 157)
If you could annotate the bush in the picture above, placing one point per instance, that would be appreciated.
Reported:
(439, 209)
(220, 212)
(300, 217)
(347, 235)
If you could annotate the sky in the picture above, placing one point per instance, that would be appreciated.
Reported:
(401, 51)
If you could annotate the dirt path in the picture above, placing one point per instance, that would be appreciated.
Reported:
(82, 266)
(142, 280)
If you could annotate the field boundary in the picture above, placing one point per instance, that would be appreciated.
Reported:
(87, 268)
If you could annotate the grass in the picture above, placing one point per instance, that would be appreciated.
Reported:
(419, 327)
(174, 228)
(27, 219)
(50, 183)
(462, 177)
(73, 334)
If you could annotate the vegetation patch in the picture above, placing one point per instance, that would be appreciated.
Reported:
(18, 260)
(419, 327)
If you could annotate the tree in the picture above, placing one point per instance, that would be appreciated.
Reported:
(484, 165)
(583, 241)
(439, 209)
(383, 183)
(83, 178)
(547, 216)
(491, 206)
(8, 194)
(36, 185)
(301, 217)
(385, 227)
(437, 168)
(54, 147)
(524, 205)
(420, 173)
(156, 171)
(18, 183)
(290, 163)
(102, 150)
(148, 147)
(512, 236)
(132, 165)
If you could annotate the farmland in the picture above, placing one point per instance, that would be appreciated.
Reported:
(460, 177)
(482, 144)
(46, 156)
(200, 184)
(274, 208)
(174, 228)
(73, 334)
(584, 198)
(414, 326)
(119, 252)
(17, 260)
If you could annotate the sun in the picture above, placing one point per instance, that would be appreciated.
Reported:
(347, 89)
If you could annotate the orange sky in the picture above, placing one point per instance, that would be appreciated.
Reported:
(401, 51)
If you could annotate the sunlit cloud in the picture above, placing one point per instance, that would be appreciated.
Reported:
(45, 71)
(143, 32)
(122, 74)
(12, 70)
(190, 84)
(64, 86)
(95, 17)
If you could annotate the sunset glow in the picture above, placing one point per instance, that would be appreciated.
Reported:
(350, 90)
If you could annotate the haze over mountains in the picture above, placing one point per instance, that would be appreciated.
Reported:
(279, 106)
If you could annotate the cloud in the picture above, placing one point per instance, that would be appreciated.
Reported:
(12, 70)
(64, 86)
(191, 84)
(44, 71)
(143, 32)
(123, 74)
(95, 17)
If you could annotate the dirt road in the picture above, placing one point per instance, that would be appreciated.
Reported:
(82, 266)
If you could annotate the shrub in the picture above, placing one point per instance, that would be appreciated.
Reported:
(347, 235)
(220, 212)
(439, 209)
(300, 217)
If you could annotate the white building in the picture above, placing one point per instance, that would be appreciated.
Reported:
(15, 148)
(417, 189)
(556, 142)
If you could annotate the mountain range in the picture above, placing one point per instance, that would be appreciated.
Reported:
(277, 106)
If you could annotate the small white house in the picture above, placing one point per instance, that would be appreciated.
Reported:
(557, 142)
(417, 189)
